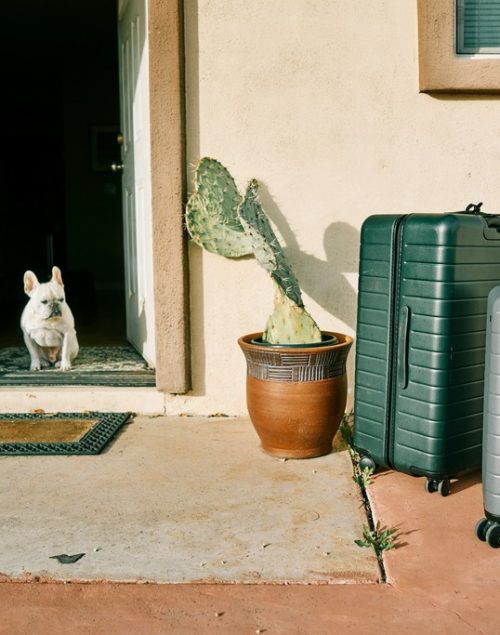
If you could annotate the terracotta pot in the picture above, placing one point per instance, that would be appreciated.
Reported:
(296, 396)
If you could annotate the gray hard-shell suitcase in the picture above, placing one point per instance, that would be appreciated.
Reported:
(423, 285)
(488, 528)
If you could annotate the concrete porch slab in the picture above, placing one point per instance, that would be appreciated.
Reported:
(181, 499)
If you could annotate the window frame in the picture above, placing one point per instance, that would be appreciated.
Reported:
(441, 69)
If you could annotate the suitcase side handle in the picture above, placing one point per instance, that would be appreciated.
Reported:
(403, 333)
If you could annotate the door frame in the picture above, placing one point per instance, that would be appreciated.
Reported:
(168, 190)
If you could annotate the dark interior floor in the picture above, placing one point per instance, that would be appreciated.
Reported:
(105, 324)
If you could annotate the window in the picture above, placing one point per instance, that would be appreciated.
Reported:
(459, 46)
(478, 27)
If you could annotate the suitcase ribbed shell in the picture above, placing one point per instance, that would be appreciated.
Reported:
(423, 288)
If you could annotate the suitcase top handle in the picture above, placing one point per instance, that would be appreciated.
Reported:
(492, 229)
(473, 208)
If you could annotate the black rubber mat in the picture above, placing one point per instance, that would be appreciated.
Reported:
(103, 427)
(94, 366)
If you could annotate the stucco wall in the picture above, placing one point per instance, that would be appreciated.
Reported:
(318, 100)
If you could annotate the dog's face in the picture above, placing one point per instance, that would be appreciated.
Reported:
(47, 298)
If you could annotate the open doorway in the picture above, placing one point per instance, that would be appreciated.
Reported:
(60, 200)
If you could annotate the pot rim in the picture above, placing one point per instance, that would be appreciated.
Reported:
(245, 341)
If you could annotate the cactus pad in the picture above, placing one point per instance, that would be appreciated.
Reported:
(266, 246)
(211, 212)
(290, 323)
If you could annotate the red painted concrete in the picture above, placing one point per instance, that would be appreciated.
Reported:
(442, 580)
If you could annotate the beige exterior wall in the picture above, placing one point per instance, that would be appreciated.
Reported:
(319, 100)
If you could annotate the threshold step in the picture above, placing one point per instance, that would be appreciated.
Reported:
(81, 399)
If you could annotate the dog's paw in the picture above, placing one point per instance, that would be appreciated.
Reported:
(63, 365)
(35, 366)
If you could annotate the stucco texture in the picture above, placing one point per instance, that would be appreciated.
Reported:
(319, 100)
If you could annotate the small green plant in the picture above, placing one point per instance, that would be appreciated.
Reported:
(381, 539)
(346, 431)
(363, 476)
(360, 476)
(378, 538)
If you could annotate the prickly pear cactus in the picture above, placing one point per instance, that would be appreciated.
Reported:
(220, 220)
(211, 212)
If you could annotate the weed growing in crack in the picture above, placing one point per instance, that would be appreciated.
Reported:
(378, 538)
(360, 476)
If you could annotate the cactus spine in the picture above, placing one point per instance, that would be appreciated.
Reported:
(221, 221)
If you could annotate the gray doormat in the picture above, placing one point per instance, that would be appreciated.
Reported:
(94, 366)
(59, 433)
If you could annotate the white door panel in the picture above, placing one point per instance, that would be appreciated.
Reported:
(137, 216)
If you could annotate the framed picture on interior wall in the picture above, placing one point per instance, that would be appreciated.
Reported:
(104, 147)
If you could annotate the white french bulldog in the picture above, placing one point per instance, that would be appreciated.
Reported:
(47, 323)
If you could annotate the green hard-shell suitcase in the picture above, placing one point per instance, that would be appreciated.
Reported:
(424, 281)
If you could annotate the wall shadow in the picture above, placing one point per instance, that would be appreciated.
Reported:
(323, 280)
(197, 339)
(192, 86)
(194, 256)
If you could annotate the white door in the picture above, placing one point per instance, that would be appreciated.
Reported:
(136, 179)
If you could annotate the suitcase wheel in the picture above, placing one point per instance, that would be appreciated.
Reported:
(493, 535)
(481, 527)
(444, 487)
(433, 485)
(367, 462)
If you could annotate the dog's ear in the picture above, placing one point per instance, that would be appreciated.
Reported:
(57, 276)
(30, 282)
